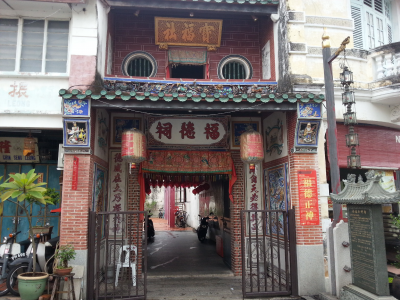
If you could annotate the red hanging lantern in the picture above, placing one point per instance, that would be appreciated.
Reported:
(133, 148)
(251, 148)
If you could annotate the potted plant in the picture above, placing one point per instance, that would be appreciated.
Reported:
(63, 255)
(22, 190)
(42, 225)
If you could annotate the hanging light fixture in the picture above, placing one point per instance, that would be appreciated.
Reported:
(29, 145)
(349, 117)
(348, 97)
(351, 138)
(133, 147)
(346, 77)
(251, 148)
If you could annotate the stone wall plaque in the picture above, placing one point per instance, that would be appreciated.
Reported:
(368, 248)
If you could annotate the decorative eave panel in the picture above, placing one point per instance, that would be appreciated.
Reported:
(166, 90)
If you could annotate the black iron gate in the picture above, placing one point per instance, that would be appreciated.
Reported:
(269, 265)
(117, 255)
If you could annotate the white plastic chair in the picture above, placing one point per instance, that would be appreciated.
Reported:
(126, 250)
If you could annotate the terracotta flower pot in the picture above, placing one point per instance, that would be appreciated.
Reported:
(63, 272)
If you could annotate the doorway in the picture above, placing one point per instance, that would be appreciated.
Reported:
(176, 250)
(187, 71)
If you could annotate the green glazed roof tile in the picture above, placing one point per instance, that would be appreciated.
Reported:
(114, 89)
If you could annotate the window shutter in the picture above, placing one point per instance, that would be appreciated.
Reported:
(8, 44)
(389, 29)
(357, 32)
(378, 6)
(368, 3)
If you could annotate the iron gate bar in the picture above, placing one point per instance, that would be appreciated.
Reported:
(136, 236)
(285, 237)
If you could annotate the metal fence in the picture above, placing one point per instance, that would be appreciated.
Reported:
(117, 260)
(269, 266)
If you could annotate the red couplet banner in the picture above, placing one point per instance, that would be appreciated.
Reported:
(308, 197)
(75, 173)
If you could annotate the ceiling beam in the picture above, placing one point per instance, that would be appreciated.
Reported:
(196, 6)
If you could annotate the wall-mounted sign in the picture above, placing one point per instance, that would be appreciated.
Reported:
(308, 197)
(75, 168)
(309, 110)
(187, 132)
(306, 139)
(76, 133)
(12, 148)
(76, 108)
(187, 32)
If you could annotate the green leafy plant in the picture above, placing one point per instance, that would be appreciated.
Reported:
(396, 223)
(23, 188)
(150, 206)
(63, 255)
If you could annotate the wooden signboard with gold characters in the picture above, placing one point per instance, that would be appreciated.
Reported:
(188, 32)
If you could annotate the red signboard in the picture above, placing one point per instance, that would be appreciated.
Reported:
(75, 173)
(308, 197)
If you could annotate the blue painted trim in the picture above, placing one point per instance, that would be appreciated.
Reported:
(191, 82)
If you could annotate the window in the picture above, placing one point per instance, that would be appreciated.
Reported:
(372, 23)
(139, 64)
(40, 46)
(235, 67)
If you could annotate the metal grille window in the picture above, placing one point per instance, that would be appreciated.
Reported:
(235, 67)
(234, 70)
(139, 64)
(140, 67)
(39, 46)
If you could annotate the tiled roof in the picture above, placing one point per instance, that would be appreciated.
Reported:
(126, 96)
(196, 91)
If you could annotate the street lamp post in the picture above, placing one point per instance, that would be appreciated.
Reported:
(332, 137)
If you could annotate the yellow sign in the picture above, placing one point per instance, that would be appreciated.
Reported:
(187, 32)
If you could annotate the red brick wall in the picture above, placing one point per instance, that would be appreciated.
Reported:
(75, 204)
(239, 36)
(306, 235)
(238, 205)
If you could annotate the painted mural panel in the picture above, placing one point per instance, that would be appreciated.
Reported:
(276, 192)
(102, 134)
(275, 136)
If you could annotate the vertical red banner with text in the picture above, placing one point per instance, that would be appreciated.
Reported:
(308, 197)
(75, 173)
